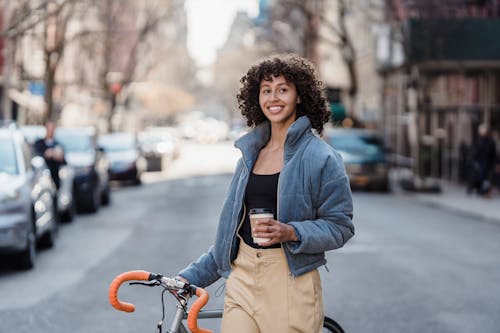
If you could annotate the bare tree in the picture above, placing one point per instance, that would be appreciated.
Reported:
(344, 44)
(306, 17)
(26, 18)
(46, 23)
(126, 27)
(54, 42)
(294, 26)
(114, 38)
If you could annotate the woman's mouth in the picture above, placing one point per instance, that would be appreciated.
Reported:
(275, 109)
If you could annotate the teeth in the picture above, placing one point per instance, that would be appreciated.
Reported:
(274, 108)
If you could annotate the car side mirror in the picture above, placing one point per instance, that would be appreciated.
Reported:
(38, 163)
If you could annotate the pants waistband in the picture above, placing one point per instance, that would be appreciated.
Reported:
(271, 254)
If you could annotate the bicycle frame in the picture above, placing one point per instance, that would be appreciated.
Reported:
(204, 314)
(178, 327)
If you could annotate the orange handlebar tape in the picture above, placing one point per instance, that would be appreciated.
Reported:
(115, 285)
(192, 319)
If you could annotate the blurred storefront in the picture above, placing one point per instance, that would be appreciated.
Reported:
(441, 80)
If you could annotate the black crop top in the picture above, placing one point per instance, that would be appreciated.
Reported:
(261, 192)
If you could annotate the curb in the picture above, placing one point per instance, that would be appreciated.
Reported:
(458, 211)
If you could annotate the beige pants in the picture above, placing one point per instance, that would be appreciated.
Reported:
(263, 297)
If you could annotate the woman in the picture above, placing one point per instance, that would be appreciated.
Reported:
(275, 286)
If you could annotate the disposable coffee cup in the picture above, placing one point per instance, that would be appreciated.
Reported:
(255, 215)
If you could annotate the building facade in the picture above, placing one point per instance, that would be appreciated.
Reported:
(441, 79)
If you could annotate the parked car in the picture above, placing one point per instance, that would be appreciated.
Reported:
(91, 179)
(27, 200)
(66, 206)
(158, 144)
(364, 157)
(126, 162)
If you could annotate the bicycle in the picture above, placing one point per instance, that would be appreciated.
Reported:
(182, 292)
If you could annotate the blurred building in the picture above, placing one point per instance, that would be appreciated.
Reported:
(358, 92)
(144, 44)
(22, 66)
(339, 38)
(440, 63)
(105, 46)
(242, 48)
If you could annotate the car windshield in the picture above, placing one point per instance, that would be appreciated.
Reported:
(357, 144)
(8, 161)
(75, 142)
(117, 143)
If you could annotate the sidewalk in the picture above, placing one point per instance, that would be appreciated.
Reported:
(453, 198)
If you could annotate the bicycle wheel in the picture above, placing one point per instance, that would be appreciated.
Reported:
(330, 325)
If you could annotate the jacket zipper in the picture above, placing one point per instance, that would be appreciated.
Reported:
(278, 216)
(237, 226)
(278, 199)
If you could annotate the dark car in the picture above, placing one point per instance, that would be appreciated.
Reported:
(91, 180)
(364, 157)
(27, 200)
(125, 160)
(66, 205)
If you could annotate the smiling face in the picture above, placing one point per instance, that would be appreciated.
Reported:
(278, 100)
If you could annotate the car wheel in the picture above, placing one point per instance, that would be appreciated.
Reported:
(106, 196)
(69, 214)
(93, 200)
(385, 187)
(26, 259)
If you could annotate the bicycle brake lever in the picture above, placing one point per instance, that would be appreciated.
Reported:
(147, 284)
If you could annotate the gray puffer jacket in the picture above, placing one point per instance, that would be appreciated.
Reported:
(314, 197)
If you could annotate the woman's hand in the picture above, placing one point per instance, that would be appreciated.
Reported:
(276, 231)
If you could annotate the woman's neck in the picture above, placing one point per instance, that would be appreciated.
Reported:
(278, 137)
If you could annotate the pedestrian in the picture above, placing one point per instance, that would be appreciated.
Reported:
(274, 286)
(482, 162)
(51, 151)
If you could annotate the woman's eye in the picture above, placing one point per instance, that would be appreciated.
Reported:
(283, 90)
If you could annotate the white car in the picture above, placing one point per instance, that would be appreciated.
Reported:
(28, 213)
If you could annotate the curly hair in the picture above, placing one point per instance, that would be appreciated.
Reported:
(294, 69)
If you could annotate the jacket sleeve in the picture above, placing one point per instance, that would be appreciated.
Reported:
(202, 272)
(205, 270)
(333, 226)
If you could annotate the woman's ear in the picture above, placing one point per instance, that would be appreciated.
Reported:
(298, 100)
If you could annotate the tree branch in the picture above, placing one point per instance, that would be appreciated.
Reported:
(17, 29)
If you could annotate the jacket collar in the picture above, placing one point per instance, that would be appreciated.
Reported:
(250, 144)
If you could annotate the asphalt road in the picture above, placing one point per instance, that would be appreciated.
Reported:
(410, 268)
